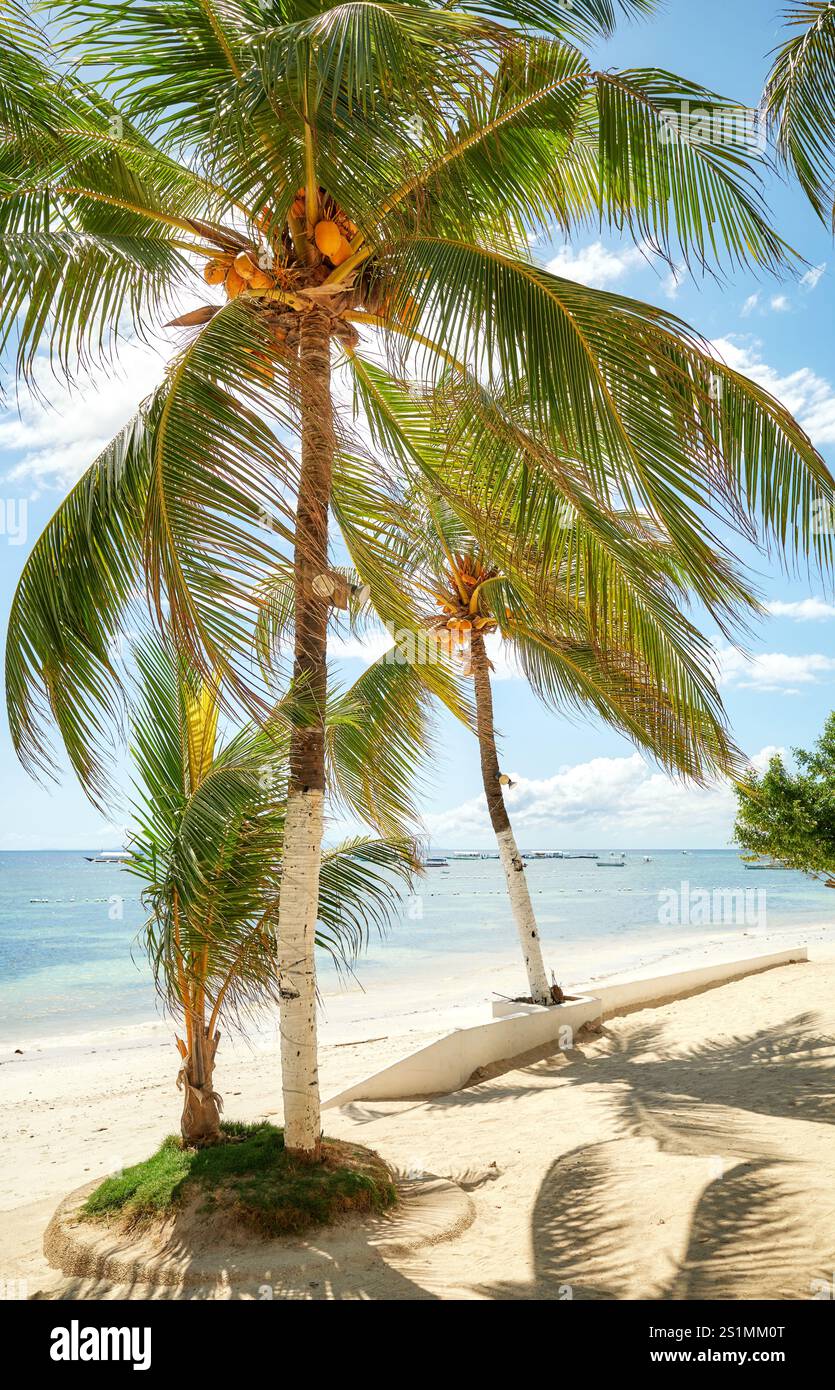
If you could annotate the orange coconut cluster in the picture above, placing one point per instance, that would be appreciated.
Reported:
(460, 616)
(237, 273)
(334, 229)
(239, 268)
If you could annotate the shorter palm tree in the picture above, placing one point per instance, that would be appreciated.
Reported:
(583, 639)
(208, 849)
(464, 619)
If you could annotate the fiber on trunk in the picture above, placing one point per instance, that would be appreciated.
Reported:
(200, 1120)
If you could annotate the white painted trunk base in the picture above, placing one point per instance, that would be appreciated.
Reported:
(523, 915)
(298, 912)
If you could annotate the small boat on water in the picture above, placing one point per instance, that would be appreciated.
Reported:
(436, 863)
(468, 854)
(765, 864)
(611, 861)
(109, 856)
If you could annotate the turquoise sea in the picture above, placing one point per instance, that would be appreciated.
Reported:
(70, 960)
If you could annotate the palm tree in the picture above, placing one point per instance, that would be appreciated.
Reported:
(208, 850)
(345, 172)
(580, 648)
(800, 101)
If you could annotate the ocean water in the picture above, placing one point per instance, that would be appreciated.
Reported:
(71, 960)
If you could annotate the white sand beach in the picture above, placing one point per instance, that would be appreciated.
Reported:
(684, 1152)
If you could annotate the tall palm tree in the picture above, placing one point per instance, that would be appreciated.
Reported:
(208, 849)
(342, 172)
(800, 101)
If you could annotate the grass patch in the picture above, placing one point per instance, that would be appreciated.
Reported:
(248, 1179)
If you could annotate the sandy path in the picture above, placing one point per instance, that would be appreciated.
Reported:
(687, 1152)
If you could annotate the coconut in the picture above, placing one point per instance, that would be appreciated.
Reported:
(260, 280)
(245, 265)
(328, 238)
(234, 283)
(342, 252)
(214, 272)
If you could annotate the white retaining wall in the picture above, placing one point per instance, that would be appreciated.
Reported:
(446, 1064)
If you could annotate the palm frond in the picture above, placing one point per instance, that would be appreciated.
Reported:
(70, 606)
(800, 101)
(626, 390)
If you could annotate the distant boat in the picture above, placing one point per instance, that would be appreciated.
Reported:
(647, 858)
(611, 861)
(765, 864)
(581, 855)
(109, 856)
(436, 863)
(544, 854)
(468, 854)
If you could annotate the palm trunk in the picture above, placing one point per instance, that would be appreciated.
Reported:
(299, 904)
(200, 1121)
(512, 862)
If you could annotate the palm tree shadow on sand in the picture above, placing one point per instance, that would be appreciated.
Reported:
(755, 1227)
(742, 1234)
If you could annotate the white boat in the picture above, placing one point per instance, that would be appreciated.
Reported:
(765, 864)
(109, 856)
(467, 854)
(436, 863)
(611, 861)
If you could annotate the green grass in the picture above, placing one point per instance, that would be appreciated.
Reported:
(249, 1179)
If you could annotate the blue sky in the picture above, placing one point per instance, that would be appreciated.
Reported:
(579, 784)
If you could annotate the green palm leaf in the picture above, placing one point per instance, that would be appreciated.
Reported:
(800, 101)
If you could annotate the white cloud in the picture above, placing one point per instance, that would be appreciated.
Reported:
(52, 441)
(783, 303)
(376, 642)
(672, 280)
(598, 266)
(810, 280)
(595, 265)
(805, 610)
(603, 801)
(809, 397)
(771, 671)
(370, 647)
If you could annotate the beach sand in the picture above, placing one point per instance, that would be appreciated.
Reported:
(684, 1152)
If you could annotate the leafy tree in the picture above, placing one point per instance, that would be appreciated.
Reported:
(790, 816)
(208, 850)
(348, 173)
